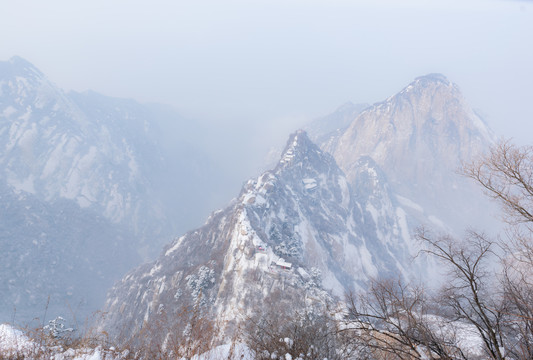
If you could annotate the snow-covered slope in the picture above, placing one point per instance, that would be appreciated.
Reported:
(292, 233)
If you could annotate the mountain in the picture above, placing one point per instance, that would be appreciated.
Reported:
(295, 232)
(109, 161)
(85, 171)
(310, 229)
(420, 138)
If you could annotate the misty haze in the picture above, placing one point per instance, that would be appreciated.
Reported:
(269, 180)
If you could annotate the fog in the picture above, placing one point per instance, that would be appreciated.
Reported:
(248, 73)
(235, 79)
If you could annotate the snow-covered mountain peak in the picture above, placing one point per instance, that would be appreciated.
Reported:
(309, 171)
(107, 163)
(26, 94)
(302, 156)
(347, 106)
(370, 178)
(17, 60)
(423, 93)
(296, 148)
(294, 231)
(429, 118)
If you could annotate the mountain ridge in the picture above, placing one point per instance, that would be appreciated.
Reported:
(293, 230)
(346, 223)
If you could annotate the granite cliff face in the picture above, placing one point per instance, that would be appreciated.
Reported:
(420, 138)
(295, 232)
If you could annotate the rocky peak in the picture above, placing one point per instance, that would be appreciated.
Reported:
(419, 137)
(302, 159)
(295, 231)
(298, 149)
(27, 95)
(427, 95)
(95, 150)
(429, 119)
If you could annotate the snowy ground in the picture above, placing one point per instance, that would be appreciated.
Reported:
(15, 344)
(236, 352)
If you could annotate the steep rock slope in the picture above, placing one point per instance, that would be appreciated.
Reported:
(292, 233)
(420, 137)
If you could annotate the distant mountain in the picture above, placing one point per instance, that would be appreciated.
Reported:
(111, 161)
(326, 130)
(77, 147)
(296, 231)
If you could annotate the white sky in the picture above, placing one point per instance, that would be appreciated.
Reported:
(269, 65)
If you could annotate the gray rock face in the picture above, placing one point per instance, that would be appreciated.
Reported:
(294, 231)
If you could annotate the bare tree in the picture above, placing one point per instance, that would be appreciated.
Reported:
(403, 321)
(469, 293)
(163, 338)
(395, 321)
(296, 328)
(506, 175)
(488, 284)
(518, 290)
